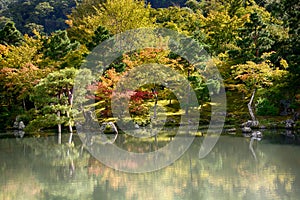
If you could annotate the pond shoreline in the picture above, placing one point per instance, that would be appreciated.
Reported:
(232, 130)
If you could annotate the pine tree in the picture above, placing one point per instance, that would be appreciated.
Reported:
(10, 35)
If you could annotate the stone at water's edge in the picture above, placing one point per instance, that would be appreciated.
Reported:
(19, 125)
(256, 134)
(250, 123)
(230, 130)
(289, 123)
(16, 125)
(246, 130)
(296, 116)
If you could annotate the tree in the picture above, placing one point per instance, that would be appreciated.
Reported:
(50, 15)
(115, 16)
(178, 19)
(101, 34)
(53, 98)
(165, 3)
(288, 12)
(28, 52)
(256, 39)
(20, 71)
(59, 45)
(254, 76)
(9, 35)
(16, 86)
(121, 15)
(221, 31)
(19, 82)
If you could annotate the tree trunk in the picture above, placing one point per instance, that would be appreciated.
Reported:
(70, 128)
(155, 104)
(59, 124)
(188, 97)
(250, 106)
(24, 105)
(59, 128)
(70, 99)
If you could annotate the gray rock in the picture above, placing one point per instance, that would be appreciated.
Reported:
(256, 134)
(289, 123)
(296, 116)
(21, 125)
(16, 125)
(230, 130)
(246, 130)
(250, 123)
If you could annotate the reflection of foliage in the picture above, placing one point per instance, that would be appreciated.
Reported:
(41, 169)
(195, 178)
(63, 166)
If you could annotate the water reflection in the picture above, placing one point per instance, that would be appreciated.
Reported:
(38, 168)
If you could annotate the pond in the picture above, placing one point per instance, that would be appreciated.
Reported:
(38, 168)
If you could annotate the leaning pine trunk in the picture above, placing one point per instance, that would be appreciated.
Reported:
(188, 97)
(250, 106)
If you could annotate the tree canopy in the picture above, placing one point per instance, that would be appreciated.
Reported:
(254, 44)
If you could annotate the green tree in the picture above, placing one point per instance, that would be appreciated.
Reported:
(10, 35)
(221, 31)
(253, 77)
(115, 16)
(288, 12)
(59, 45)
(51, 15)
(182, 20)
(101, 34)
(53, 98)
(28, 52)
(121, 15)
(255, 38)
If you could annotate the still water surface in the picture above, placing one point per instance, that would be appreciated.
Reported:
(38, 168)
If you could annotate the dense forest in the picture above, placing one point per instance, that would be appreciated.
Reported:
(254, 44)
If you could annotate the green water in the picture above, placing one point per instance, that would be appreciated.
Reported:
(38, 168)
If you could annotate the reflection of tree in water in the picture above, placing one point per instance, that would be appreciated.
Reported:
(67, 178)
(16, 179)
(228, 172)
(37, 168)
(60, 169)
